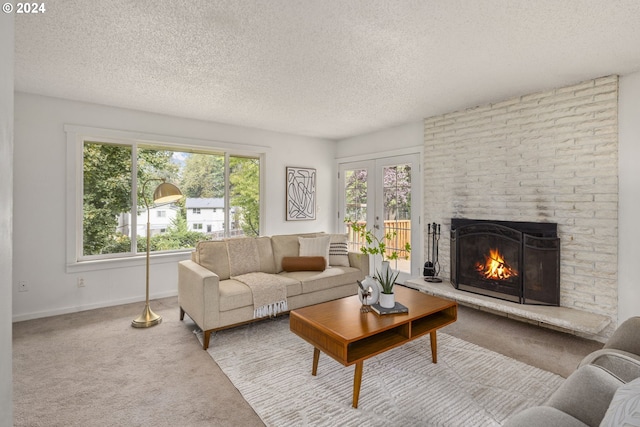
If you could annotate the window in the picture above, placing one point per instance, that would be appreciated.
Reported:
(196, 211)
(108, 195)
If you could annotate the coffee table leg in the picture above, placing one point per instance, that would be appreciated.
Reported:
(434, 347)
(316, 357)
(357, 380)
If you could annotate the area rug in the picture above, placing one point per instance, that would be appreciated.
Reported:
(469, 386)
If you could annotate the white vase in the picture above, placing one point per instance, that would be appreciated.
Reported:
(371, 288)
(387, 300)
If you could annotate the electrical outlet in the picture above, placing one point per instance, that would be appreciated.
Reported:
(81, 282)
(23, 286)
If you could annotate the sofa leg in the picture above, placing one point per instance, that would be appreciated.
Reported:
(181, 314)
(205, 339)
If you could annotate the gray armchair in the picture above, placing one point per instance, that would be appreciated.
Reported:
(584, 398)
(620, 351)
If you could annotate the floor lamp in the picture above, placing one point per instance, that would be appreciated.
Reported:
(163, 194)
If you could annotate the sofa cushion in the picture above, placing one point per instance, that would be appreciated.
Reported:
(235, 294)
(313, 281)
(286, 245)
(624, 409)
(338, 250)
(213, 255)
(265, 253)
(243, 255)
(315, 246)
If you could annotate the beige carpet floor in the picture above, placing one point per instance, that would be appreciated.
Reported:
(93, 369)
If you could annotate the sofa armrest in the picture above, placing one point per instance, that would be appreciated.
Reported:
(199, 294)
(543, 416)
(622, 364)
(586, 394)
(626, 337)
(360, 261)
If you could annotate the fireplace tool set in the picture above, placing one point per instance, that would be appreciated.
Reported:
(432, 266)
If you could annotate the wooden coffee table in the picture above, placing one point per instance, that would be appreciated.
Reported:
(337, 328)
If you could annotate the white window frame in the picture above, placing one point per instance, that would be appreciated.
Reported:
(78, 135)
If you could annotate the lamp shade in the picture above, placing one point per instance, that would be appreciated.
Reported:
(166, 193)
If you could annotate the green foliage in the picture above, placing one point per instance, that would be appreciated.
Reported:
(387, 278)
(378, 246)
(203, 176)
(176, 237)
(245, 193)
(107, 193)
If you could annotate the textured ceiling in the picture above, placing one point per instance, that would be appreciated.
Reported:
(325, 68)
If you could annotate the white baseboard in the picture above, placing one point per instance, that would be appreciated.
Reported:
(85, 307)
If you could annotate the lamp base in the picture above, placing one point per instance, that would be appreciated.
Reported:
(147, 319)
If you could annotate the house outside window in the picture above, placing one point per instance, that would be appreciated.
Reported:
(212, 215)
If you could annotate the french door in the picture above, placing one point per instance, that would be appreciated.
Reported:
(384, 194)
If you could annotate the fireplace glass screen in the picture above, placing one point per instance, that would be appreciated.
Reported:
(514, 261)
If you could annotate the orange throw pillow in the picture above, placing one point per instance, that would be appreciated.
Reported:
(304, 263)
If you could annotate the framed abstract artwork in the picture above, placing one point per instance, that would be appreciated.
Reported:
(301, 194)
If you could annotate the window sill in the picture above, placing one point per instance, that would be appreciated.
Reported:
(133, 261)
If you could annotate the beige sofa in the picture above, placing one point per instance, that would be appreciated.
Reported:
(211, 288)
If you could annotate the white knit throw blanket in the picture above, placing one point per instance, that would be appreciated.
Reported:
(269, 293)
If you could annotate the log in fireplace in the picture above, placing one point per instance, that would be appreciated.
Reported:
(512, 260)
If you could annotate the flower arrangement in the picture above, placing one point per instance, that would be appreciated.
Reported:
(375, 245)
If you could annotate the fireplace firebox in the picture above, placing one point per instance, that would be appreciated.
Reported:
(511, 260)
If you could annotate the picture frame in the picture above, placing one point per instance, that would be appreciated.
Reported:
(301, 194)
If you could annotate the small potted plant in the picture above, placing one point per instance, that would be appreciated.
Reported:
(374, 245)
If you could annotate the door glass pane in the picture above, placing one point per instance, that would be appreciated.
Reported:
(355, 196)
(396, 183)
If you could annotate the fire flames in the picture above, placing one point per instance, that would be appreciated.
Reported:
(495, 267)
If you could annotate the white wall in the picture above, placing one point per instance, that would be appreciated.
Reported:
(6, 215)
(408, 135)
(629, 197)
(40, 180)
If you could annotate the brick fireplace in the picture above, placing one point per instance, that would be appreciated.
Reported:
(545, 157)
